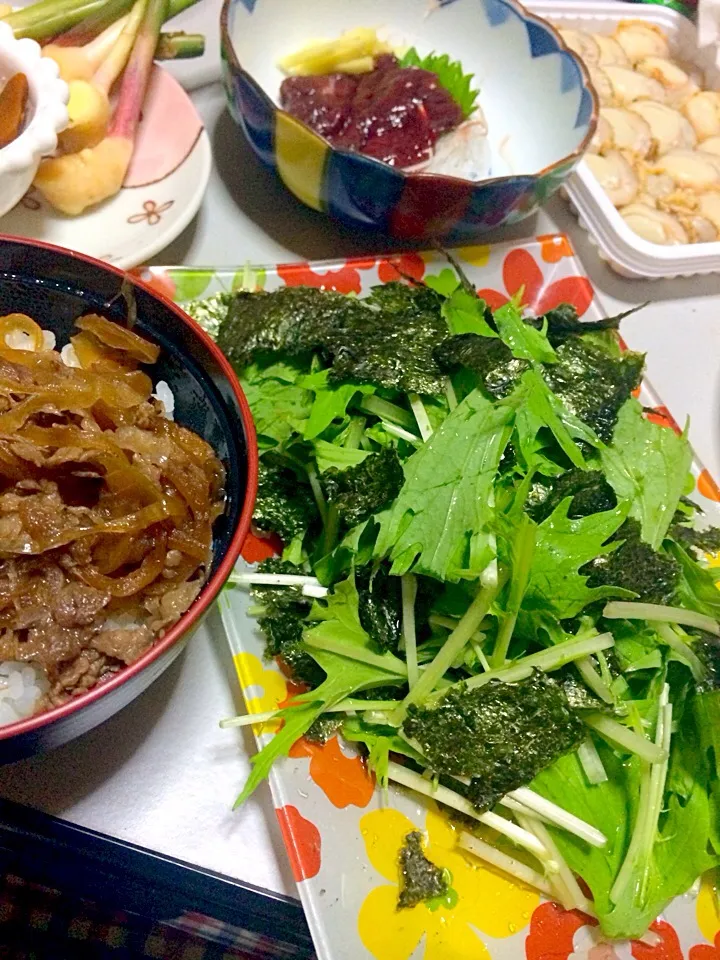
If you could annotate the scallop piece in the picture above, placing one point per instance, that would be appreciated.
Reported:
(630, 132)
(628, 86)
(709, 207)
(668, 127)
(677, 84)
(699, 229)
(583, 44)
(658, 186)
(653, 225)
(603, 87)
(711, 145)
(690, 168)
(615, 175)
(611, 53)
(703, 112)
(640, 40)
(602, 140)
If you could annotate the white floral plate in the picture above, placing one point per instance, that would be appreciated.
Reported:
(341, 840)
(163, 189)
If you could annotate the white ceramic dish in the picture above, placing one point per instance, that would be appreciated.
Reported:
(163, 189)
(626, 252)
(46, 115)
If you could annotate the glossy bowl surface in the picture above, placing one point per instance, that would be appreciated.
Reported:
(55, 286)
(536, 95)
(45, 115)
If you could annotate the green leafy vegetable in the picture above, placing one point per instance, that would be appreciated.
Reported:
(647, 465)
(440, 523)
(525, 342)
(466, 313)
(450, 75)
(562, 547)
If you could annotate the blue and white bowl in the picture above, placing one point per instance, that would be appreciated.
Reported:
(536, 95)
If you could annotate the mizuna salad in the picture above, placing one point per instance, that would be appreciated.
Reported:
(492, 581)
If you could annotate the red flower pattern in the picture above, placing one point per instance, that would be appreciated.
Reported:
(302, 841)
(553, 932)
(345, 279)
(401, 267)
(521, 272)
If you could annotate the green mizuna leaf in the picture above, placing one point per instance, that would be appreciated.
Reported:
(647, 465)
(441, 523)
(562, 547)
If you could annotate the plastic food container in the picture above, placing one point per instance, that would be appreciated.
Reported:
(626, 252)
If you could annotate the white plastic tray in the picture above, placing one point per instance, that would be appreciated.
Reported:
(626, 252)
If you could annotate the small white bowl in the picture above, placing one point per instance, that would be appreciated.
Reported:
(46, 115)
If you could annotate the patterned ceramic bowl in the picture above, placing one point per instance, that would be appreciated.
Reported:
(54, 287)
(540, 109)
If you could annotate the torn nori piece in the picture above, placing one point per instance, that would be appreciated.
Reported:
(325, 727)
(420, 879)
(590, 492)
(392, 342)
(593, 384)
(563, 322)
(380, 606)
(283, 621)
(635, 566)
(359, 492)
(489, 359)
(499, 735)
(284, 505)
(706, 541)
(386, 338)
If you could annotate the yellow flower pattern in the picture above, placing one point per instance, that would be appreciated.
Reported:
(480, 898)
(706, 906)
(264, 688)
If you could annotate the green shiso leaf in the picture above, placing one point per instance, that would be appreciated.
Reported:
(450, 75)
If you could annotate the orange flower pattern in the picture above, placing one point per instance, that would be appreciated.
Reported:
(344, 780)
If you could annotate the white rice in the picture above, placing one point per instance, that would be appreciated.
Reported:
(21, 686)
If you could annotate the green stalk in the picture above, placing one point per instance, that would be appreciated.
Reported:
(547, 660)
(621, 610)
(91, 27)
(624, 737)
(344, 706)
(387, 411)
(48, 18)
(408, 586)
(414, 781)
(523, 550)
(468, 624)
(332, 526)
(355, 433)
(507, 864)
(681, 648)
(421, 417)
(385, 661)
(593, 681)
(652, 788)
(180, 46)
(591, 762)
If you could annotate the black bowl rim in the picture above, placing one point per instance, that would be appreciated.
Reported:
(228, 49)
(213, 586)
